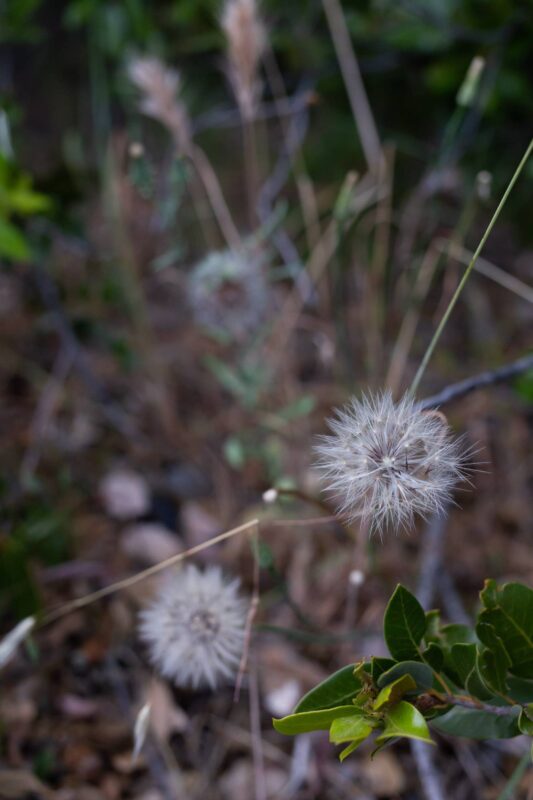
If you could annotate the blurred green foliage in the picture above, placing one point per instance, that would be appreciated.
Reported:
(413, 54)
(39, 536)
(17, 199)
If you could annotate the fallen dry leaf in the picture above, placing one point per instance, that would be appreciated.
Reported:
(17, 784)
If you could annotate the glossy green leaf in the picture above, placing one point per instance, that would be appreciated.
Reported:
(394, 692)
(434, 656)
(405, 720)
(525, 723)
(344, 729)
(313, 720)
(510, 613)
(404, 625)
(489, 594)
(474, 724)
(475, 686)
(420, 672)
(492, 662)
(336, 690)
(520, 689)
(432, 633)
(457, 634)
(351, 747)
(378, 666)
(462, 658)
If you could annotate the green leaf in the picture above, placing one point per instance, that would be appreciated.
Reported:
(510, 613)
(334, 691)
(525, 724)
(432, 626)
(434, 656)
(394, 692)
(462, 658)
(378, 666)
(13, 245)
(457, 634)
(344, 729)
(404, 625)
(493, 662)
(405, 720)
(520, 689)
(313, 720)
(351, 747)
(489, 594)
(474, 724)
(475, 686)
(421, 674)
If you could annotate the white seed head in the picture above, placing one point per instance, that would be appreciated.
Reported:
(228, 293)
(10, 643)
(195, 628)
(388, 462)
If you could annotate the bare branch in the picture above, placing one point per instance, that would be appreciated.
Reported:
(484, 379)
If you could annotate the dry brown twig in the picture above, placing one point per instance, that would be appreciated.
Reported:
(355, 88)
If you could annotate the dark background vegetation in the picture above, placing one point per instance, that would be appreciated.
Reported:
(104, 368)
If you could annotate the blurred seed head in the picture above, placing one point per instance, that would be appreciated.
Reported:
(469, 88)
(10, 643)
(195, 629)
(246, 38)
(160, 91)
(228, 293)
(388, 462)
(484, 185)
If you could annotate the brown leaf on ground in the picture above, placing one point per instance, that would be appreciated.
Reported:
(19, 785)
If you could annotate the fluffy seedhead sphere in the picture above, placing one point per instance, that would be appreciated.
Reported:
(195, 628)
(387, 462)
(228, 293)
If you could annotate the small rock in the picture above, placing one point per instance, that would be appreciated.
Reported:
(383, 774)
(281, 701)
(124, 494)
(149, 542)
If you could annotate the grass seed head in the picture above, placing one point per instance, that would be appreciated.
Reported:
(246, 38)
(160, 89)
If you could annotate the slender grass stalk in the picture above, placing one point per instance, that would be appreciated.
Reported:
(87, 599)
(512, 784)
(453, 301)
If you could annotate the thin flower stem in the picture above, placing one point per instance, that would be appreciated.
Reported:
(512, 784)
(466, 275)
(87, 599)
(252, 611)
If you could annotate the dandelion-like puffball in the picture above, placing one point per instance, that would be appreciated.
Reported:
(195, 628)
(228, 293)
(387, 462)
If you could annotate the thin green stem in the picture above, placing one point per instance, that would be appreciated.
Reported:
(513, 782)
(466, 275)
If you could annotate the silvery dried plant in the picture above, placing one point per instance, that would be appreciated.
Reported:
(195, 629)
(228, 292)
(387, 462)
